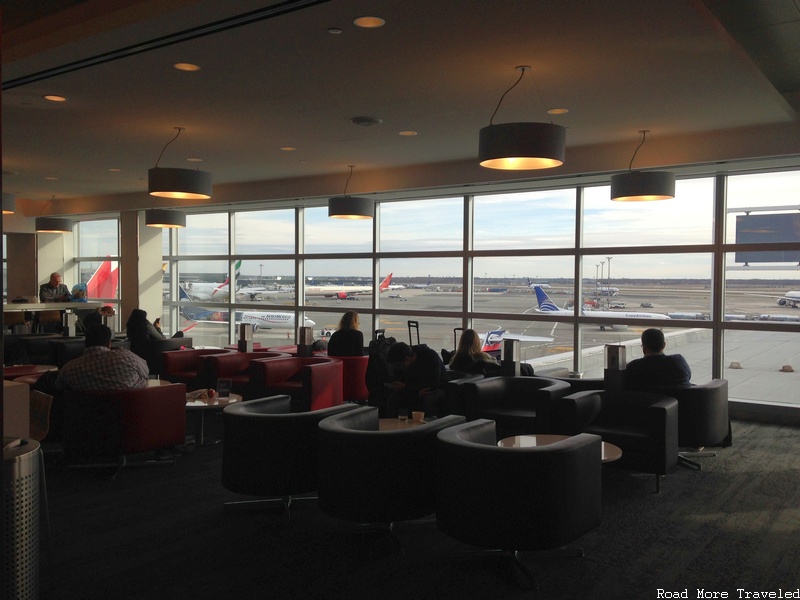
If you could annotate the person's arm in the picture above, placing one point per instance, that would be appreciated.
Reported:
(154, 333)
(359, 345)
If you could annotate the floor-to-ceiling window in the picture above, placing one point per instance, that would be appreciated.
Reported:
(96, 261)
(565, 270)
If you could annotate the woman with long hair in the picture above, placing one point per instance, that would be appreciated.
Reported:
(469, 357)
(347, 340)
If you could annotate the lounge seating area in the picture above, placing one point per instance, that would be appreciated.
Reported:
(722, 527)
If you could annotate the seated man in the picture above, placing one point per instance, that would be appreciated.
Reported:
(420, 379)
(656, 371)
(101, 368)
(96, 317)
(54, 290)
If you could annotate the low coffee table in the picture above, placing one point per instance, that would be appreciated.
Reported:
(610, 452)
(200, 407)
(397, 424)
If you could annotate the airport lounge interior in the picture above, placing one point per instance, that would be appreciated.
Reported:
(455, 179)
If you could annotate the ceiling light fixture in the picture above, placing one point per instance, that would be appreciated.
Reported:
(641, 186)
(369, 22)
(521, 146)
(350, 207)
(9, 203)
(186, 184)
(165, 219)
(52, 224)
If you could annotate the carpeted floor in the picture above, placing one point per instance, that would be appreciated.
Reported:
(162, 533)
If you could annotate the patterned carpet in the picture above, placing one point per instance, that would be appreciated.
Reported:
(162, 533)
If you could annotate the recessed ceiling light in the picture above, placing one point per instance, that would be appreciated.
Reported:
(558, 111)
(408, 132)
(334, 30)
(194, 159)
(114, 170)
(54, 98)
(51, 178)
(186, 67)
(288, 148)
(369, 22)
(366, 121)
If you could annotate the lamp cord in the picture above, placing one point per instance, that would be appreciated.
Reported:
(168, 143)
(46, 204)
(630, 165)
(491, 119)
(348, 179)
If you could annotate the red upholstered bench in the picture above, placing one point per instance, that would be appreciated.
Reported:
(313, 382)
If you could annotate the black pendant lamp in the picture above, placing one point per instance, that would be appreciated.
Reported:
(52, 224)
(9, 203)
(183, 184)
(350, 207)
(642, 186)
(523, 145)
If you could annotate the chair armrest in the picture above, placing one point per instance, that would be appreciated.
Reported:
(573, 412)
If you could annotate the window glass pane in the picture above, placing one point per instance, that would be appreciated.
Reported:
(754, 365)
(265, 281)
(330, 283)
(428, 284)
(422, 225)
(434, 332)
(326, 235)
(525, 220)
(686, 219)
(760, 292)
(264, 232)
(204, 234)
(505, 284)
(100, 277)
(642, 285)
(758, 192)
(98, 238)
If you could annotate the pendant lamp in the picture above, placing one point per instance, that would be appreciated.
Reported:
(165, 219)
(642, 186)
(185, 184)
(350, 207)
(9, 204)
(52, 224)
(521, 146)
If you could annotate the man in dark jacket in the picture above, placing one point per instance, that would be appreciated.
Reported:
(420, 380)
(656, 371)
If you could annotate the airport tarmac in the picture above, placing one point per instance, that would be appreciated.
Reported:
(760, 353)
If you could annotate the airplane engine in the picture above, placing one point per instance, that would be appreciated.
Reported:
(782, 302)
(341, 295)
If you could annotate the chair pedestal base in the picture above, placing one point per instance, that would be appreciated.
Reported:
(284, 503)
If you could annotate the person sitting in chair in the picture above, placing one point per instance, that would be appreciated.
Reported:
(469, 357)
(656, 371)
(101, 368)
(420, 379)
(54, 290)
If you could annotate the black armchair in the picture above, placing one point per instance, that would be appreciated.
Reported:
(644, 425)
(516, 499)
(372, 476)
(271, 451)
(517, 404)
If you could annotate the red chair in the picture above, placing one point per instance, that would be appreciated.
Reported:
(13, 371)
(234, 366)
(313, 383)
(111, 425)
(354, 378)
(183, 366)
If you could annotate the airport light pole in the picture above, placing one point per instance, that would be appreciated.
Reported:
(260, 274)
(608, 286)
(600, 287)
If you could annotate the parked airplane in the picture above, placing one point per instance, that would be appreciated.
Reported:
(218, 292)
(546, 305)
(263, 319)
(533, 284)
(421, 286)
(603, 290)
(493, 340)
(343, 291)
(791, 299)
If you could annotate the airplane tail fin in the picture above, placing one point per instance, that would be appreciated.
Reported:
(103, 282)
(188, 312)
(545, 304)
(385, 283)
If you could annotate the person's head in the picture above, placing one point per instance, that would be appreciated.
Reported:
(470, 343)
(400, 355)
(349, 320)
(98, 335)
(106, 311)
(653, 341)
(137, 321)
(55, 279)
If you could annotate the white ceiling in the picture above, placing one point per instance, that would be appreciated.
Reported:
(437, 67)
